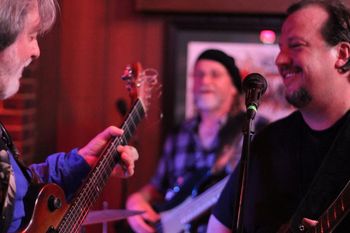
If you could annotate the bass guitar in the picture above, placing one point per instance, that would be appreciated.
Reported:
(51, 212)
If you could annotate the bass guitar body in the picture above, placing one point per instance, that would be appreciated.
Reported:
(48, 209)
(192, 203)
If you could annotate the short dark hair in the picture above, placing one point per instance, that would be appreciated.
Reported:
(337, 28)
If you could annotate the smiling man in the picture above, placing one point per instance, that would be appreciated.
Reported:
(301, 163)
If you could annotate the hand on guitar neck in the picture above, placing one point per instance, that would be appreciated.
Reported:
(105, 153)
(128, 154)
(184, 211)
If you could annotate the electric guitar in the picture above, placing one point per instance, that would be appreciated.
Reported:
(51, 212)
(176, 219)
(335, 213)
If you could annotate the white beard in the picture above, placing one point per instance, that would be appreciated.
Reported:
(207, 102)
(8, 87)
(11, 71)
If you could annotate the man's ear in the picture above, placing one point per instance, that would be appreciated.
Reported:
(343, 61)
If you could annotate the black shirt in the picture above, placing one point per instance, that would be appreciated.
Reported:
(286, 156)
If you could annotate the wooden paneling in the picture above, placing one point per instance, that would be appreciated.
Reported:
(211, 6)
(216, 6)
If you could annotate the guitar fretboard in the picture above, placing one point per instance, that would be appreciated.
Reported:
(335, 213)
(99, 175)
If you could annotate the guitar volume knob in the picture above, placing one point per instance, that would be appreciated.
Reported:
(54, 203)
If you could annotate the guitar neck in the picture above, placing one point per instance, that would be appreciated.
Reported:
(335, 213)
(99, 175)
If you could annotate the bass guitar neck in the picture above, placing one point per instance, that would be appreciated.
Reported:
(51, 212)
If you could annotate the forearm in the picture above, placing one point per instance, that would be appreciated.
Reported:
(142, 200)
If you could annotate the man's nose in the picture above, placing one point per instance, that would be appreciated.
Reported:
(35, 50)
(207, 78)
(282, 58)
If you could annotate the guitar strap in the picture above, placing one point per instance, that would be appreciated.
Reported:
(7, 178)
(330, 179)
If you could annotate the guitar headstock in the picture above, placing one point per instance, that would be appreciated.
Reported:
(140, 83)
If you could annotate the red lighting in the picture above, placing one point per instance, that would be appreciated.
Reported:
(267, 36)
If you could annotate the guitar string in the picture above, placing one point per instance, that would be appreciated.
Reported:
(91, 196)
(71, 219)
(82, 202)
(103, 170)
(110, 153)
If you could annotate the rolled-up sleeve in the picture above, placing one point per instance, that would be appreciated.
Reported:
(68, 170)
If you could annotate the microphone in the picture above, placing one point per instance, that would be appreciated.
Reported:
(254, 85)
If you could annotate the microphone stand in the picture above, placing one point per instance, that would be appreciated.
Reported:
(248, 131)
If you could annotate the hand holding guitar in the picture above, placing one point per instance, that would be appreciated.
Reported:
(330, 219)
(307, 223)
(106, 152)
(140, 201)
(128, 154)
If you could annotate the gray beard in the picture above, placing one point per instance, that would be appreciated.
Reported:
(205, 105)
(299, 98)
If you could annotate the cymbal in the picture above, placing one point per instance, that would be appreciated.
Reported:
(108, 215)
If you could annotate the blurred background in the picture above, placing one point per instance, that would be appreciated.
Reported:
(74, 90)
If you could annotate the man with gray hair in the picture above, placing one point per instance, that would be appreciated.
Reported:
(21, 21)
(209, 141)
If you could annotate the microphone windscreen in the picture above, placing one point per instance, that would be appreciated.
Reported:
(255, 81)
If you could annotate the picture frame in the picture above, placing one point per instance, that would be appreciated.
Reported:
(185, 34)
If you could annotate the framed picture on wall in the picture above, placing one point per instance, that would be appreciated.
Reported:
(240, 37)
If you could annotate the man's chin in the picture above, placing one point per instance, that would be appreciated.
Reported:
(206, 106)
(9, 92)
(299, 99)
